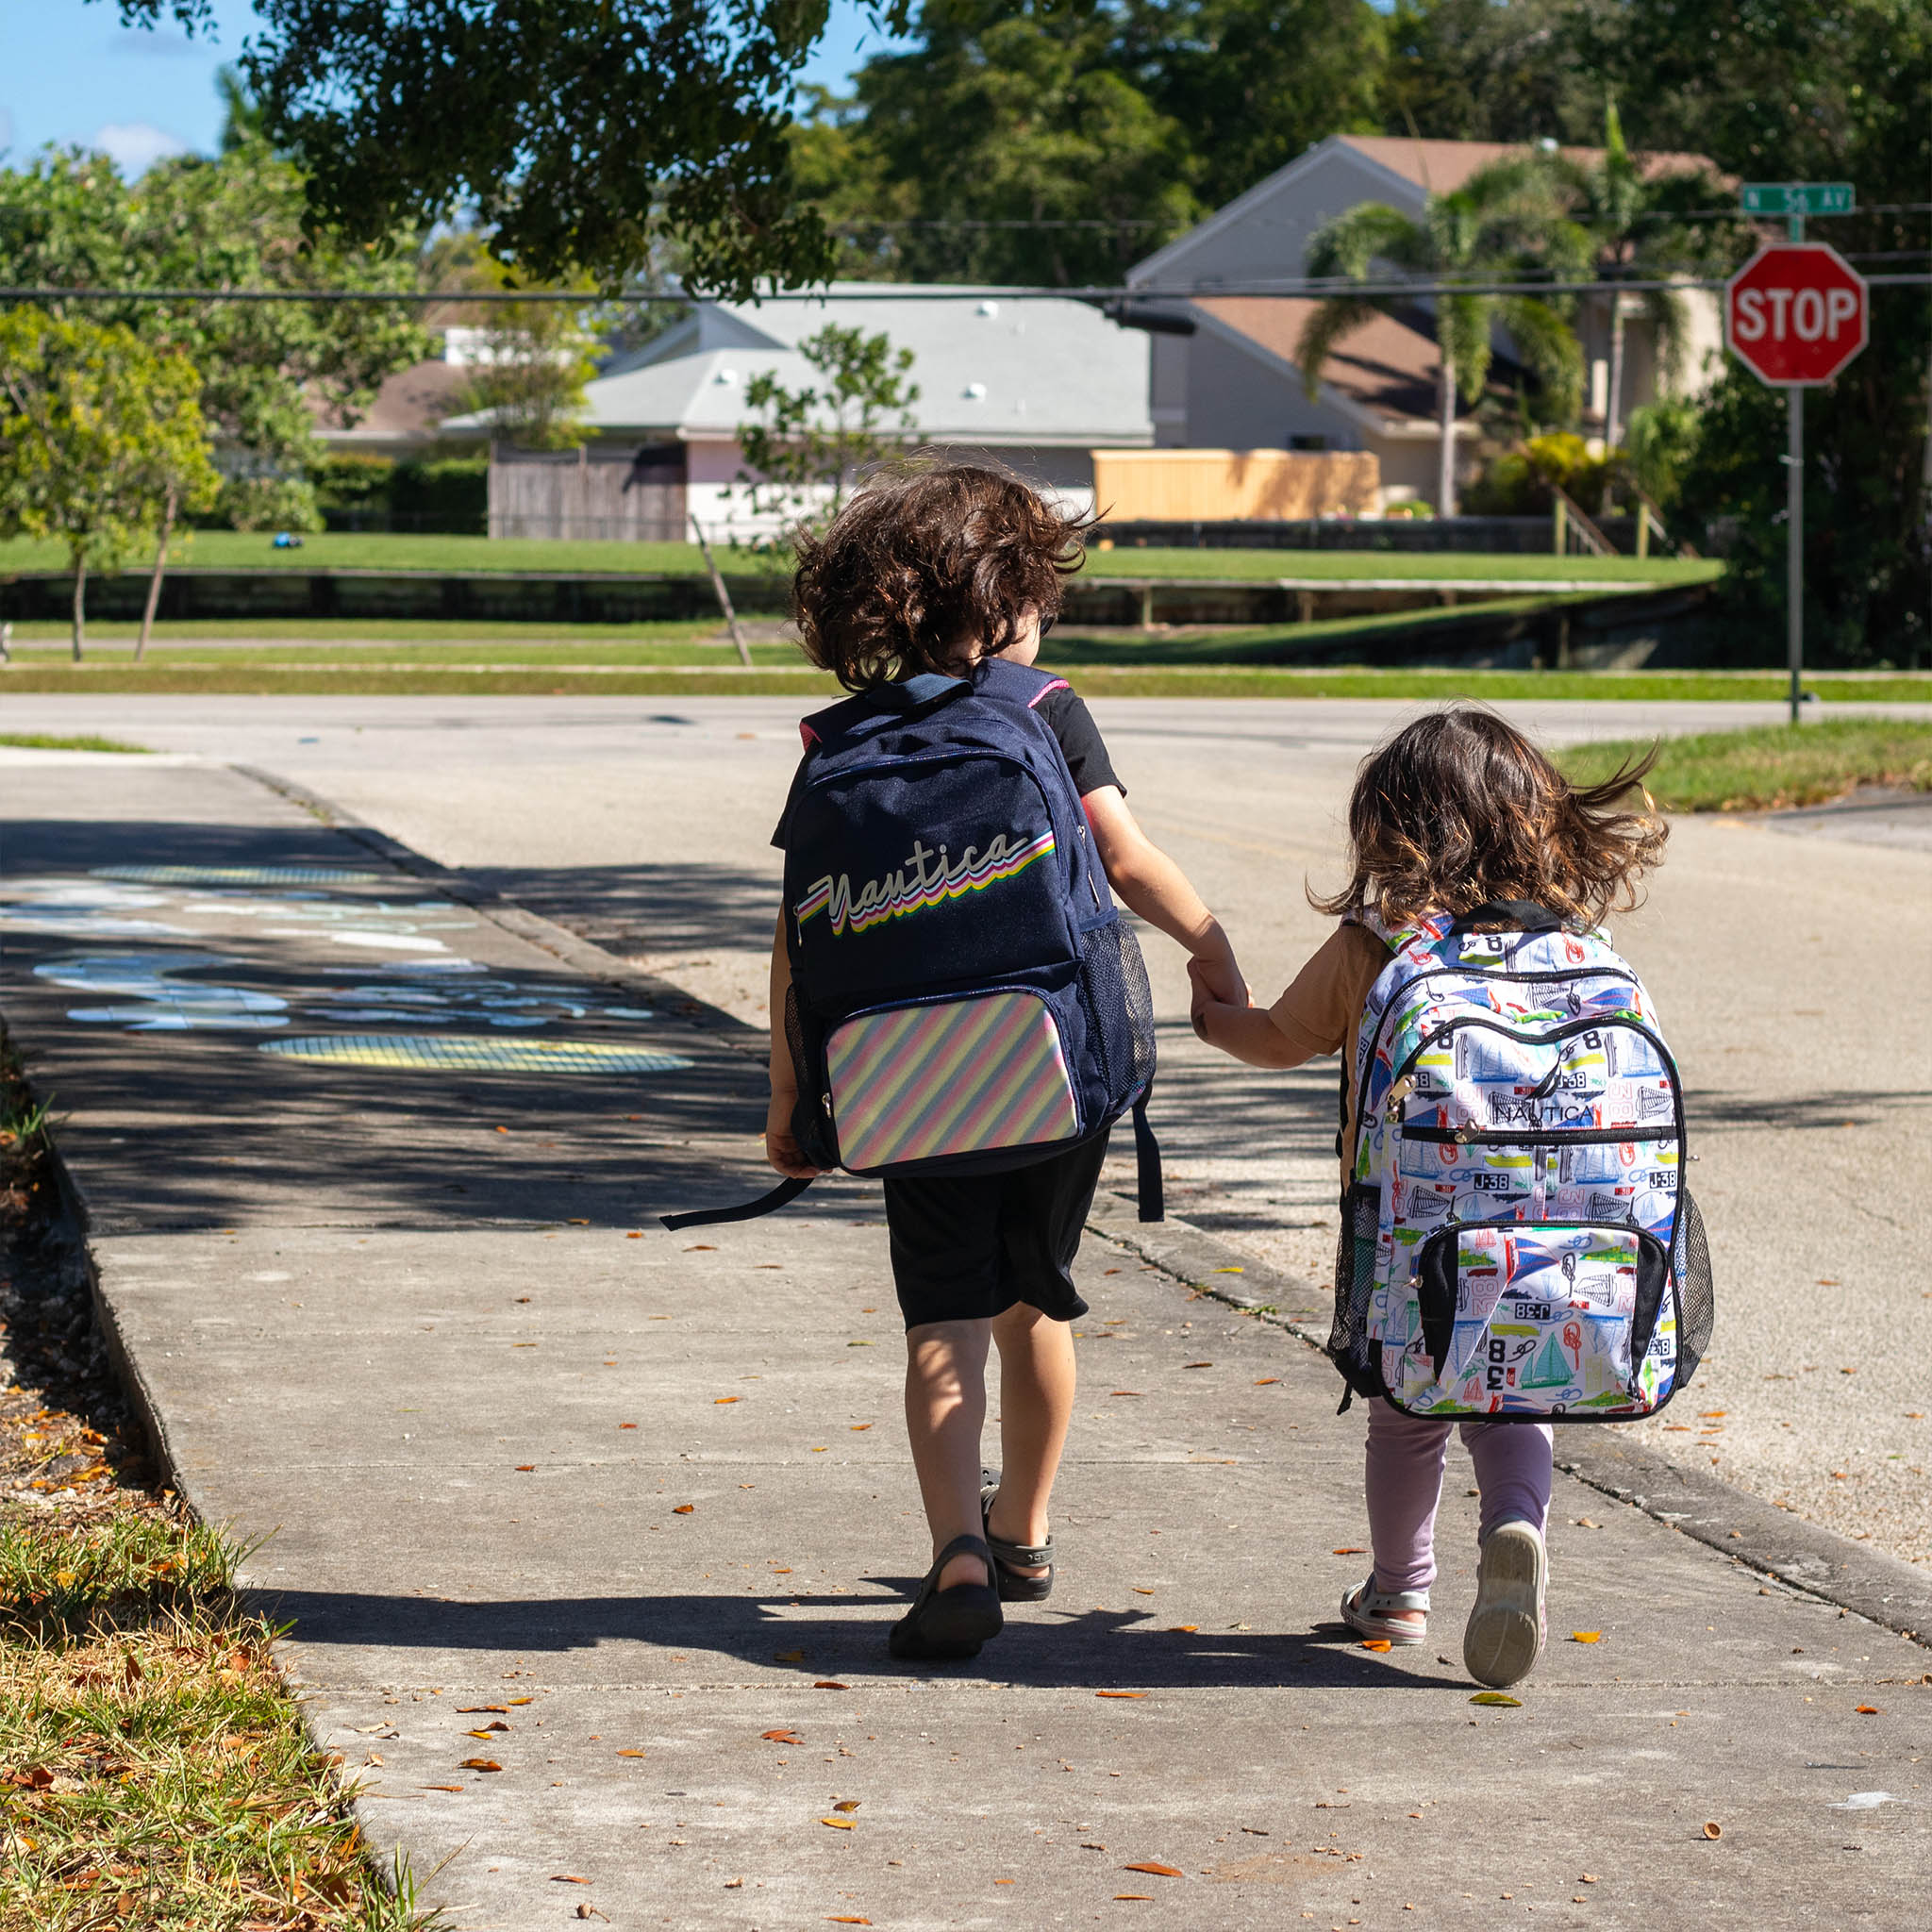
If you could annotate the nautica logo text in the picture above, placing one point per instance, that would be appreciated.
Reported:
(927, 877)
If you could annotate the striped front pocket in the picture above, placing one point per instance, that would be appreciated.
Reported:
(968, 1076)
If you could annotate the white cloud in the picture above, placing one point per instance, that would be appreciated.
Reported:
(135, 146)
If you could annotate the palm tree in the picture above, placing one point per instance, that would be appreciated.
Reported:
(1639, 233)
(1504, 223)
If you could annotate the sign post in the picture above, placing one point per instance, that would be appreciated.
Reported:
(1794, 315)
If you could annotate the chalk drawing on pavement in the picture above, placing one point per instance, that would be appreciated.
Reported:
(81, 908)
(472, 1054)
(167, 1005)
(238, 874)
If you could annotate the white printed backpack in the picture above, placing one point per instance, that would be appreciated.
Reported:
(1516, 1242)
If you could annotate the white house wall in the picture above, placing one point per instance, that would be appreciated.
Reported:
(1234, 400)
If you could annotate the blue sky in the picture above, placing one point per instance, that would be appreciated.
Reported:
(70, 71)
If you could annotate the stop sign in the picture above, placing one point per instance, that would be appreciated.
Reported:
(1795, 314)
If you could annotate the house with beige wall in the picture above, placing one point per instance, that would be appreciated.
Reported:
(1223, 372)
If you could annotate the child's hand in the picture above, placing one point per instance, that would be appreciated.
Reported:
(781, 1149)
(1216, 977)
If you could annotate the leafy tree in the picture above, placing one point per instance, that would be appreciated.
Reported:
(1637, 222)
(101, 439)
(1493, 70)
(580, 130)
(804, 445)
(1255, 82)
(528, 382)
(67, 220)
(1020, 149)
(1503, 222)
(1808, 89)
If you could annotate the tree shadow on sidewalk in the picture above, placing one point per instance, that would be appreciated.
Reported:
(1097, 1650)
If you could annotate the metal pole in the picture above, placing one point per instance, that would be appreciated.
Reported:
(1794, 518)
(1794, 559)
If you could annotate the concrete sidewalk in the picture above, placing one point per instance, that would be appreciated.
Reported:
(531, 1464)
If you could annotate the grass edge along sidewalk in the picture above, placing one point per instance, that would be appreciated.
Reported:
(237, 676)
(154, 1770)
(1768, 767)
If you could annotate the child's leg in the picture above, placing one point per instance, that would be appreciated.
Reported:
(1513, 1463)
(1403, 1486)
(1037, 1380)
(945, 1410)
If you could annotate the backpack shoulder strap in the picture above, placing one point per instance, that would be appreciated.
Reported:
(910, 697)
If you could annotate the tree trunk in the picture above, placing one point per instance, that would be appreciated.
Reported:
(1445, 472)
(1613, 406)
(79, 606)
(153, 583)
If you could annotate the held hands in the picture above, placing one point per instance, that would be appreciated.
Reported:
(781, 1149)
(1214, 980)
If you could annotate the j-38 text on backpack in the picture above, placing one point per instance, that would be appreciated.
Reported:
(964, 997)
(1517, 1242)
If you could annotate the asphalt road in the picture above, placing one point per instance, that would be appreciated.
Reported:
(1777, 962)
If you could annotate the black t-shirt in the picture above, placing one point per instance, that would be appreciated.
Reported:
(1069, 720)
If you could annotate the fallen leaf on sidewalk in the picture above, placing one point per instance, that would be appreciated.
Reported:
(719, 1401)
(859, 1428)
(683, 1508)
(498, 1725)
(830, 1684)
(847, 1804)
(441, 1787)
(1377, 1643)
(626, 1425)
(788, 1656)
(1197, 1365)
(1349, 1550)
(1230, 1271)
(838, 1824)
(635, 1235)
(631, 1754)
(1182, 1629)
(1586, 1637)
(479, 1764)
(513, 1702)
(782, 1737)
(1120, 1693)
(845, 1919)
(1123, 1392)
(1497, 1698)
(477, 1709)
(1713, 1829)
(1139, 1592)
(1267, 1381)
(1120, 1897)
(526, 1469)
(567, 1878)
(1870, 1710)
(1156, 1868)
(701, 1249)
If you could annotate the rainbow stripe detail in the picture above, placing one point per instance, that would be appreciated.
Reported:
(895, 896)
(965, 1077)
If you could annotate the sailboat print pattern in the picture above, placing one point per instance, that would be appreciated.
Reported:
(1519, 1227)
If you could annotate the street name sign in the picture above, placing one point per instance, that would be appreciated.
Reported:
(1796, 313)
(1797, 198)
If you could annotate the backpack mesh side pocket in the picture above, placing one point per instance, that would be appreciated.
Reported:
(809, 1123)
(1115, 979)
(1349, 1346)
(1696, 1300)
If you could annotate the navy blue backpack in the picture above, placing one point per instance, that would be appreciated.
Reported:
(964, 997)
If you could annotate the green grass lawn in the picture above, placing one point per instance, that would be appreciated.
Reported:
(465, 555)
(665, 671)
(42, 741)
(1769, 765)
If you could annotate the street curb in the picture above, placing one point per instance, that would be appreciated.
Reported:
(1778, 1545)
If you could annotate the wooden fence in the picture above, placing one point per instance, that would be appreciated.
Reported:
(587, 496)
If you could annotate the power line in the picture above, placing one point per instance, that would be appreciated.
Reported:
(1305, 289)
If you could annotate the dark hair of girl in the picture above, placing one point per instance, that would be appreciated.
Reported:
(930, 565)
(1460, 808)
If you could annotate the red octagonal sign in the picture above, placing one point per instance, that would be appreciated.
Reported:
(1796, 313)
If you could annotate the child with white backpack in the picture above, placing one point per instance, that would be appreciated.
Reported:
(1516, 1248)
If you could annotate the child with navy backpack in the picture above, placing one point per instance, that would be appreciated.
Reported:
(1516, 1248)
(957, 1006)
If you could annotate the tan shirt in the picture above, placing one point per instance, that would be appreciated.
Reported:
(1318, 1013)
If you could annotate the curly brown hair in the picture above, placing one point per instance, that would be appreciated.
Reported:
(1459, 810)
(932, 564)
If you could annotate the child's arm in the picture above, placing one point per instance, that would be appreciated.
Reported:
(1152, 885)
(781, 1150)
(1247, 1033)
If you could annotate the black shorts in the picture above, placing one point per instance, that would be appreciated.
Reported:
(966, 1247)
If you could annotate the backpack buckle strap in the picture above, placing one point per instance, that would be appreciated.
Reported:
(1147, 1162)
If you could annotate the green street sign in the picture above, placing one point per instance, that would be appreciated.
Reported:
(1797, 198)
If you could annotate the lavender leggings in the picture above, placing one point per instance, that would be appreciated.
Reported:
(1404, 1484)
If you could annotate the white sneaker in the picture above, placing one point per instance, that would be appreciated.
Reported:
(1504, 1635)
